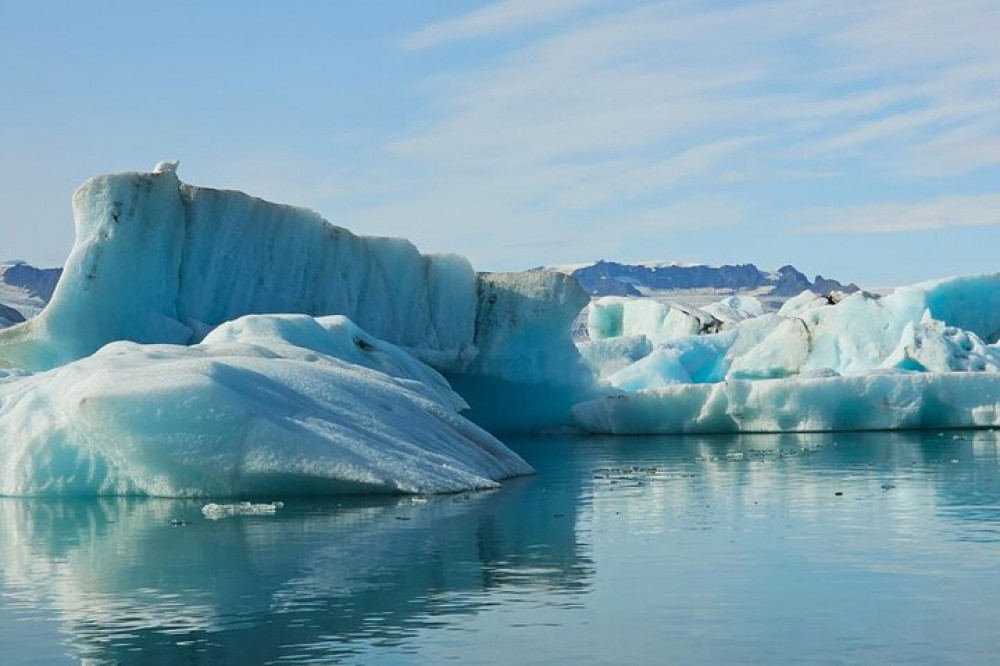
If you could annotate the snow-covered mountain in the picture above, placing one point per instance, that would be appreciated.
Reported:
(25, 289)
(609, 278)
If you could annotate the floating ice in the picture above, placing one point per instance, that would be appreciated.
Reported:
(214, 511)
(614, 316)
(266, 405)
(609, 355)
(813, 335)
(735, 308)
(845, 362)
(159, 261)
(878, 401)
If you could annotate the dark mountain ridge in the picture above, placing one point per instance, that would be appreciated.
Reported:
(609, 278)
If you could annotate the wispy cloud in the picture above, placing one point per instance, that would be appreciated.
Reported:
(885, 218)
(603, 119)
(496, 18)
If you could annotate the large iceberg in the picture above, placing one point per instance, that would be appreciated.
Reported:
(205, 342)
(159, 261)
(914, 358)
(267, 405)
(877, 401)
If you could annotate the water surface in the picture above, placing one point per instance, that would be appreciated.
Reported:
(819, 549)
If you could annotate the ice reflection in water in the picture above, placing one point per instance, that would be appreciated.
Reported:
(826, 548)
(306, 583)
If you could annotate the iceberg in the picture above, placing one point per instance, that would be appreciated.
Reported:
(614, 316)
(266, 405)
(207, 343)
(915, 358)
(159, 261)
(213, 511)
(528, 373)
(811, 335)
(877, 401)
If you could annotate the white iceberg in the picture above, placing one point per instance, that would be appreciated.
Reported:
(876, 401)
(814, 334)
(267, 405)
(914, 358)
(159, 261)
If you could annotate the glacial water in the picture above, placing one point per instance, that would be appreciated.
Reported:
(816, 549)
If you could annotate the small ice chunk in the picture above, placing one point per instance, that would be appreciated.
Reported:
(214, 511)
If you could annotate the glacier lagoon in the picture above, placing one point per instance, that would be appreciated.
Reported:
(248, 359)
(793, 548)
(188, 350)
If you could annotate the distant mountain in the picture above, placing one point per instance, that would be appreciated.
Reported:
(609, 278)
(9, 316)
(25, 289)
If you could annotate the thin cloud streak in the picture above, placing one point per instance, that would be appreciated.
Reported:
(604, 120)
(497, 18)
(889, 218)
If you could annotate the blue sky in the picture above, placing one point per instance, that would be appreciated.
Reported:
(859, 140)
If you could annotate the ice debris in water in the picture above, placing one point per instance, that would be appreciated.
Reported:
(214, 511)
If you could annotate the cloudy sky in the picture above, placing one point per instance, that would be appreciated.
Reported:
(860, 140)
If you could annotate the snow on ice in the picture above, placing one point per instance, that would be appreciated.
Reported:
(265, 405)
(207, 343)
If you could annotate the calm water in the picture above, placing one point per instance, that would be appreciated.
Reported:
(621, 550)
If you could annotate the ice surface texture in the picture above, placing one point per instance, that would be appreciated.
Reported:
(915, 358)
(266, 405)
(879, 401)
(159, 261)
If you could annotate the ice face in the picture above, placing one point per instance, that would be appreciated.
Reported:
(735, 308)
(876, 401)
(159, 261)
(266, 405)
(523, 328)
(969, 302)
(609, 355)
(848, 363)
(813, 334)
(614, 316)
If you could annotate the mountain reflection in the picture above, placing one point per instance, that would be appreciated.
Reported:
(130, 587)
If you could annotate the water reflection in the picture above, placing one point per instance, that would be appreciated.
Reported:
(815, 548)
(130, 587)
(647, 481)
